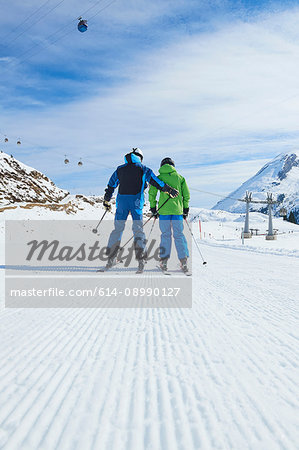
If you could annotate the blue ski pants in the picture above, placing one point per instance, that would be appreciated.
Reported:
(122, 211)
(172, 224)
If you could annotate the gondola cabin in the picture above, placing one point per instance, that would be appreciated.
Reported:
(82, 25)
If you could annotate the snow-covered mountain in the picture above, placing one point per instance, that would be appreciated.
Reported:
(21, 183)
(280, 176)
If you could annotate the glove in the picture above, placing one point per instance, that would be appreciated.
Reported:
(185, 213)
(155, 212)
(170, 190)
(107, 205)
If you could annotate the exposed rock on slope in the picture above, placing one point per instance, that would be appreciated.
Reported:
(21, 183)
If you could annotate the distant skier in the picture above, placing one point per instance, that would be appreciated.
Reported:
(172, 214)
(131, 178)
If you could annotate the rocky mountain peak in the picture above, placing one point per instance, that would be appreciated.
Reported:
(280, 177)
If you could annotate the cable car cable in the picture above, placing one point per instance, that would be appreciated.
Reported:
(105, 7)
(53, 42)
(37, 21)
(40, 18)
(212, 193)
(25, 20)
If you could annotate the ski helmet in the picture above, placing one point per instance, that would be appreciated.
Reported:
(138, 152)
(167, 161)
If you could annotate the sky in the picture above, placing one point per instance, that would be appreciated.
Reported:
(212, 84)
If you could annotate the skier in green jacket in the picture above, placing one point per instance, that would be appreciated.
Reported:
(171, 215)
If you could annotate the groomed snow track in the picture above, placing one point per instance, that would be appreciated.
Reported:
(221, 375)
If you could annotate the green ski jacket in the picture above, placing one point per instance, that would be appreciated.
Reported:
(174, 206)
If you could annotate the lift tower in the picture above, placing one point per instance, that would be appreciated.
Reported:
(248, 199)
(271, 235)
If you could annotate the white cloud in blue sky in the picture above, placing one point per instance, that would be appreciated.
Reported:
(213, 85)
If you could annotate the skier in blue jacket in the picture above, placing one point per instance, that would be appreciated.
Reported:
(131, 179)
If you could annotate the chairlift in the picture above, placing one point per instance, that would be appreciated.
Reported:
(66, 160)
(6, 139)
(18, 142)
(80, 163)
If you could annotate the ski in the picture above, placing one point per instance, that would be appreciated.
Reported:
(102, 269)
(105, 268)
(165, 272)
(112, 272)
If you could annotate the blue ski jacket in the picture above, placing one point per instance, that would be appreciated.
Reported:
(131, 179)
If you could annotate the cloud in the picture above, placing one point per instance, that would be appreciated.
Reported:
(5, 59)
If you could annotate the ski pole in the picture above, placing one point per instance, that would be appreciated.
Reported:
(204, 262)
(152, 227)
(95, 230)
(129, 240)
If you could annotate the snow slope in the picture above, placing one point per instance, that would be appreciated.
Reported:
(223, 229)
(280, 176)
(222, 375)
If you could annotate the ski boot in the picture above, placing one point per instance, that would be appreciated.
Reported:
(141, 264)
(110, 263)
(184, 265)
(163, 264)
